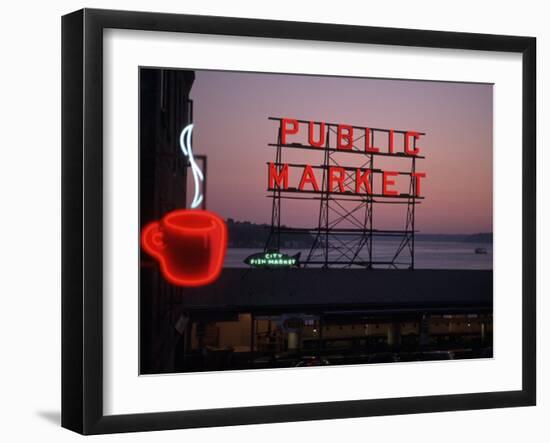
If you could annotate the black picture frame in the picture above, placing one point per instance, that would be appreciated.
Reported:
(82, 219)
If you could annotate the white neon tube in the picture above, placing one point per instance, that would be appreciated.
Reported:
(185, 143)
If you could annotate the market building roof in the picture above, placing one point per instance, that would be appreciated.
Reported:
(343, 289)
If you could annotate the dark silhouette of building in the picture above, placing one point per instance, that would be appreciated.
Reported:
(165, 109)
(267, 318)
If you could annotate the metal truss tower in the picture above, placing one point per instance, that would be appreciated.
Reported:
(345, 235)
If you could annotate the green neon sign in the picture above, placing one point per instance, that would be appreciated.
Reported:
(272, 260)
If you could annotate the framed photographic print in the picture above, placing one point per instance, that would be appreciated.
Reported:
(269, 221)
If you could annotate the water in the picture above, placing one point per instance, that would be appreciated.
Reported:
(429, 254)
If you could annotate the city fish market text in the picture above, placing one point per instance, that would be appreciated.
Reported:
(272, 260)
(341, 179)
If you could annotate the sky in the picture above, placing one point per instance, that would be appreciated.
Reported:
(231, 127)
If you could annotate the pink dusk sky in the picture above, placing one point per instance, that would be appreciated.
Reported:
(231, 113)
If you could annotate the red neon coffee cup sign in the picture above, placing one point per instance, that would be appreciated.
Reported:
(189, 244)
(345, 138)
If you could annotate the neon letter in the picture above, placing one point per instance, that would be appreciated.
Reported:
(278, 178)
(362, 179)
(390, 142)
(408, 149)
(368, 147)
(286, 131)
(386, 182)
(321, 141)
(339, 179)
(346, 136)
(308, 177)
(417, 176)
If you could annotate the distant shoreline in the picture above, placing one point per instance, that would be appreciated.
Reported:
(245, 234)
(481, 237)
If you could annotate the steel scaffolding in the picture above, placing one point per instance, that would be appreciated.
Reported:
(345, 232)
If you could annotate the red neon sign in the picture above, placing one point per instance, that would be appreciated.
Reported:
(345, 180)
(189, 245)
(345, 137)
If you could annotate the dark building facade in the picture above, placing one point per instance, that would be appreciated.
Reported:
(165, 109)
(251, 319)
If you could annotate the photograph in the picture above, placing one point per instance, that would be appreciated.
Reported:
(296, 221)
(255, 222)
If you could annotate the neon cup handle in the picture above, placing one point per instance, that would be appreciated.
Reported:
(152, 239)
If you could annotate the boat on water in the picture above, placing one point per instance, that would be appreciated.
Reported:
(481, 251)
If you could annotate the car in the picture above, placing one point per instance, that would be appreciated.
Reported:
(312, 361)
(437, 355)
(383, 357)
